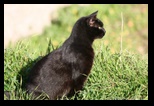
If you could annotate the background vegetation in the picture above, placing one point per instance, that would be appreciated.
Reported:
(114, 75)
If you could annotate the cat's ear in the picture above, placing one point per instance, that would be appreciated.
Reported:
(91, 18)
(94, 14)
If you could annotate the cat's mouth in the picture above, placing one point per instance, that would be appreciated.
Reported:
(101, 28)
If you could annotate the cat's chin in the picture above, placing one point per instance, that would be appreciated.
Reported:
(100, 36)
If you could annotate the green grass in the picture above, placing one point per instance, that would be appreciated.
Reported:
(110, 78)
(113, 75)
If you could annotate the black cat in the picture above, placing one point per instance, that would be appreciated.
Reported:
(64, 71)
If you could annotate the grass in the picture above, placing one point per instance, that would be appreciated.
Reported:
(119, 71)
(110, 78)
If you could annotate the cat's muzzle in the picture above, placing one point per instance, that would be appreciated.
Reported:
(101, 28)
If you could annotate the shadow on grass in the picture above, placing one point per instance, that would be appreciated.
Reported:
(22, 78)
(24, 72)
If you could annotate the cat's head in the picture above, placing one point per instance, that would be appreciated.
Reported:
(95, 26)
(89, 26)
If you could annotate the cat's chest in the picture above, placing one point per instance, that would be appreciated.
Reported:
(83, 61)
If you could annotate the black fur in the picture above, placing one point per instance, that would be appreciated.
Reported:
(65, 70)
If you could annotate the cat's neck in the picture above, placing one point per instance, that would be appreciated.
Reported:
(80, 38)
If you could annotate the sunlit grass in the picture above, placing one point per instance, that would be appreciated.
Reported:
(110, 78)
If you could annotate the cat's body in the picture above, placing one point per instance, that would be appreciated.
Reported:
(65, 70)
